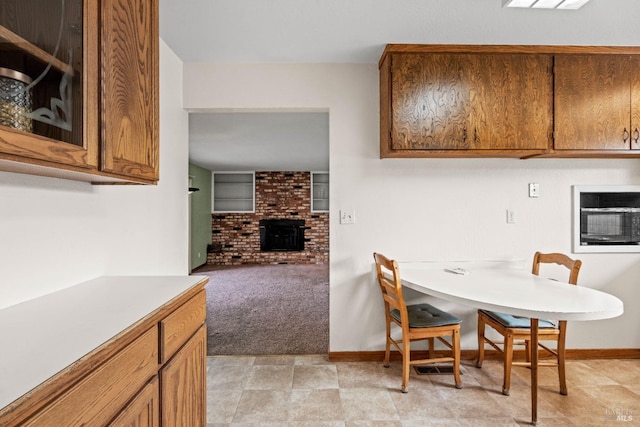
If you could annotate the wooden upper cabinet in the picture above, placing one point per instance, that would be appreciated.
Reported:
(129, 79)
(465, 104)
(593, 102)
(509, 101)
(80, 102)
(48, 80)
(635, 102)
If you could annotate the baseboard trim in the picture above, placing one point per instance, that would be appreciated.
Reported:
(571, 354)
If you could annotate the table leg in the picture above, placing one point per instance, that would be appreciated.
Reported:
(534, 370)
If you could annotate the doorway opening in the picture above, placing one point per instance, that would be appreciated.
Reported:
(284, 271)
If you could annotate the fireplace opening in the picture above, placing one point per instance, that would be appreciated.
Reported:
(281, 234)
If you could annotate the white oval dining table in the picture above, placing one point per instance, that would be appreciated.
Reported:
(513, 291)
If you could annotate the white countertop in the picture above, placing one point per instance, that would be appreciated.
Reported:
(41, 337)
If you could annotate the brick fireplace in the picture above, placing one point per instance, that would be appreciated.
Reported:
(279, 196)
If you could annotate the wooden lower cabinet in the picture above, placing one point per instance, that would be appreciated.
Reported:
(143, 410)
(152, 374)
(183, 397)
(100, 394)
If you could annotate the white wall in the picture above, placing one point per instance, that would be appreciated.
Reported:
(56, 233)
(425, 209)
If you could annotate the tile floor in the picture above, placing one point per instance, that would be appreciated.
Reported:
(310, 391)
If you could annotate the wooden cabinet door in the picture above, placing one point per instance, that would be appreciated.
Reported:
(57, 126)
(635, 102)
(143, 410)
(183, 390)
(129, 86)
(592, 102)
(471, 101)
(430, 106)
(512, 101)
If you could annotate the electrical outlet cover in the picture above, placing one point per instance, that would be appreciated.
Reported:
(347, 217)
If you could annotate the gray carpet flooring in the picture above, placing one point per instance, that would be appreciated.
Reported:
(267, 309)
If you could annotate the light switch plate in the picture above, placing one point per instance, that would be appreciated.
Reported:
(347, 217)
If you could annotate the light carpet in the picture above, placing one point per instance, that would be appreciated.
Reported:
(267, 309)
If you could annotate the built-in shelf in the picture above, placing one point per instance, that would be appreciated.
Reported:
(319, 191)
(9, 37)
(233, 192)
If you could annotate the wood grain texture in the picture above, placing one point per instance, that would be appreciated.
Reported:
(129, 91)
(143, 410)
(96, 399)
(30, 146)
(532, 49)
(183, 384)
(635, 104)
(592, 102)
(385, 108)
(180, 325)
(471, 101)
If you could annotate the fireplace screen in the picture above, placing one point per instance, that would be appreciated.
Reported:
(282, 234)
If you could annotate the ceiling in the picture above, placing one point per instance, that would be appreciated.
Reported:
(356, 31)
(259, 141)
(348, 31)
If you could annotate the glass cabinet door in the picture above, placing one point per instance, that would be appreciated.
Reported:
(47, 78)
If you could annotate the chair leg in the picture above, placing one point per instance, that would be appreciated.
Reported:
(387, 349)
(508, 359)
(480, 342)
(455, 343)
(432, 348)
(406, 364)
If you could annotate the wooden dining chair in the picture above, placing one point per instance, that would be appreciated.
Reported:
(516, 329)
(416, 322)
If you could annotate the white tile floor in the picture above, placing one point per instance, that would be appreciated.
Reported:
(310, 391)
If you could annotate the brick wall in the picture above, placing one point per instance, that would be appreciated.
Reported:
(279, 195)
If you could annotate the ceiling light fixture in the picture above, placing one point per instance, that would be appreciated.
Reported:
(545, 4)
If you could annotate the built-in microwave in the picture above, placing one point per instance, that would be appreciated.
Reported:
(610, 226)
(606, 218)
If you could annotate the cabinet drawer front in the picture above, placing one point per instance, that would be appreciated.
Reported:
(180, 325)
(96, 398)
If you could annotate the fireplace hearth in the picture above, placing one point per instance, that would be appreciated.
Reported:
(282, 234)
